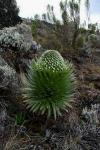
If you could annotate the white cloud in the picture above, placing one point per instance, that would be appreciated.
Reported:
(95, 18)
(82, 12)
(28, 8)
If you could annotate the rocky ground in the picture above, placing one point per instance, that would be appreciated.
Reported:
(22, 130)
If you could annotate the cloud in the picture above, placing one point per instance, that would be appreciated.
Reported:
(95, 18)
(28, 8)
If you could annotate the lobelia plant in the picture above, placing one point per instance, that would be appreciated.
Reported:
(50, 84)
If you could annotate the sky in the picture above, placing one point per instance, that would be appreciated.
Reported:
(28, 8)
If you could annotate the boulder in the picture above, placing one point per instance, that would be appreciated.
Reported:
(93, 77)
(8, 77)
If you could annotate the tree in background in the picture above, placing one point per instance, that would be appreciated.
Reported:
(8, 13)
(93, 28)
(70, 13)
(87, 5)
(75, 17)
(44, 17)
(68, 29)
(36, 17)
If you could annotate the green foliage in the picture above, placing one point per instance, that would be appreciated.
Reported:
(9, 13)
(92, 37)
(36, 17)
(80, 41)
(50, 84)
(82, 30)
(19, 119)
(92, 28)
(34, 26)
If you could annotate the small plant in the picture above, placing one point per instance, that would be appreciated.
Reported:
(13, 38)
(20, 119)
(92, 37)
(50, 84)
(80, 41)
(34, 26)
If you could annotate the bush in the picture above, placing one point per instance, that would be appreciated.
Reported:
(94, 40)
(50, 84)
(11, 38)
(34, 26)
(52, 42)
(9, 13)
(80, 42)
(92, 37)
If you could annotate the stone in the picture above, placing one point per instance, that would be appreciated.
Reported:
(93, 77)
(8, 77)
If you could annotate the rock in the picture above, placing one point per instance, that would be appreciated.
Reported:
(93, 114)
(93, 77)
(4, 124)
(8, 77)
(3, 118)
(24, 64)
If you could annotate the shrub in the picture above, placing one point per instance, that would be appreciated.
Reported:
(34, 26)
(52, 42)
(11, 38)
(50, 84)
(92, 37)
(9, 13)
(94, 40)
(80, 41)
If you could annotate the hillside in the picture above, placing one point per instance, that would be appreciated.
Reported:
(79, 129)
(49, 79)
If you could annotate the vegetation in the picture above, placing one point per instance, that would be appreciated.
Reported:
(79, 42)
(34, 27)
(50, 85)
(8, 13)
(20, 119)
(66, 31)
(11, 38)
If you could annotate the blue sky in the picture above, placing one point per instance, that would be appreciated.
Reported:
(95, 6)
(28, 8)
(95, 10)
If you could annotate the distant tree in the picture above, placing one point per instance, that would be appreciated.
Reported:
(75, 17)
(64, 11)
(44, 17)
(93, 28)
(87, 5)
(70, 12)
(68, 29)
(36, 17)
(50, 14)
(8, 13)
